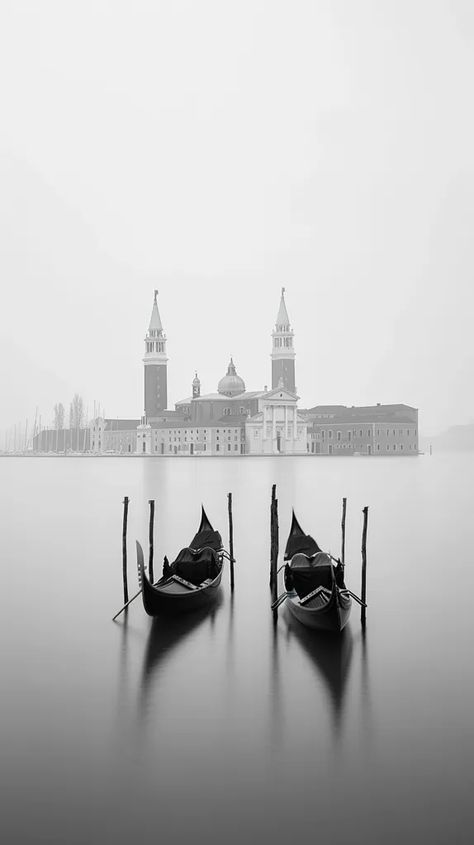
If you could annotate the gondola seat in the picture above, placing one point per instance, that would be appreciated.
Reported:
(305, 574)
(196, 567)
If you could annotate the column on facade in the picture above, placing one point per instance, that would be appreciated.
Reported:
(295, 424)
(286, 422)
(274, 422)
(264, 422)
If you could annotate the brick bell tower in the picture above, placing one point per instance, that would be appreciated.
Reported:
(156, 366)
(283, 353)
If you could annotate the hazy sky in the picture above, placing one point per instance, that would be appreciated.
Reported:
(218, 150)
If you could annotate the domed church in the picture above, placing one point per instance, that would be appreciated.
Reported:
(236, 421)
(232, 421)
(231, 384)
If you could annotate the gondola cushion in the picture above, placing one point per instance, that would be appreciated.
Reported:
(196, 568)
(305, 574)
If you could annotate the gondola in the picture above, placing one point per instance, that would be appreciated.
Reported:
(192, 580)
(316, 594)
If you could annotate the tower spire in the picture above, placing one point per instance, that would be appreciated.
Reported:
(155, 361)
(283, 321)
(283, 353)
(155, 319)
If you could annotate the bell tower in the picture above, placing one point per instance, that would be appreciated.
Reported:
(156, 366)
(283, 353)
(196, 387)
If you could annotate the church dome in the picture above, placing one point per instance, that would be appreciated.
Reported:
(231, 384)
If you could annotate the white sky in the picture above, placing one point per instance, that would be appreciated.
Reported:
(217, 150)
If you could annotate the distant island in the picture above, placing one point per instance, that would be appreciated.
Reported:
(231, 421)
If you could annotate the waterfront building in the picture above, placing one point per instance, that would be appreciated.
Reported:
(109, 435)
(235, 421)
(366, 430)
(61, 440)
(277, 428)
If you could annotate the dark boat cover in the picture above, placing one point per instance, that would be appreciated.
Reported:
(199, 561)
(298, 541)
(196, 567)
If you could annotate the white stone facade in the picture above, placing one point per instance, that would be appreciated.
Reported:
(277, 429)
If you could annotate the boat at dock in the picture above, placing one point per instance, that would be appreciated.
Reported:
(192, 581)
(316, 594)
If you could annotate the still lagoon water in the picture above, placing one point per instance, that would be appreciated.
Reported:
(224, 728)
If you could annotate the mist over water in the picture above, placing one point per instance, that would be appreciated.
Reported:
(221, 727)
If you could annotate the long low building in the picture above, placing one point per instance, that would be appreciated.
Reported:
(367, 430)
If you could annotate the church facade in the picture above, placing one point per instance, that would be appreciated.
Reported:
(236, 421)
(232, 421)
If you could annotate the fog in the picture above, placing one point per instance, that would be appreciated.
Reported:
(217, 151)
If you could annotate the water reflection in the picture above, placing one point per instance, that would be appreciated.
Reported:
(331, 656)
(165, 634)
(276, 703)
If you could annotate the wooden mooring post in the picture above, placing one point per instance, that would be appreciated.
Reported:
(124, 550)
(274, 539)
(363, 596)
(343, 531)
(151, 502)
(231, 539)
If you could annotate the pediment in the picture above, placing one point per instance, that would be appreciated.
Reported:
(281, 393)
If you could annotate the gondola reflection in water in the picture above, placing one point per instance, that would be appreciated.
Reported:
(192, 581)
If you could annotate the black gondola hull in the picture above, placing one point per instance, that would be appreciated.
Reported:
(332, 616)
(159, 600)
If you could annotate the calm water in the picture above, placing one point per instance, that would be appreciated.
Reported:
(224, 729)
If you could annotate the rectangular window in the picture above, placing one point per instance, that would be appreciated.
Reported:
(338, 435)
(330, 434)
(217, 448)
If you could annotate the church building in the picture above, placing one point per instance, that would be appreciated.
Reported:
(233, 420)
(236, 421)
